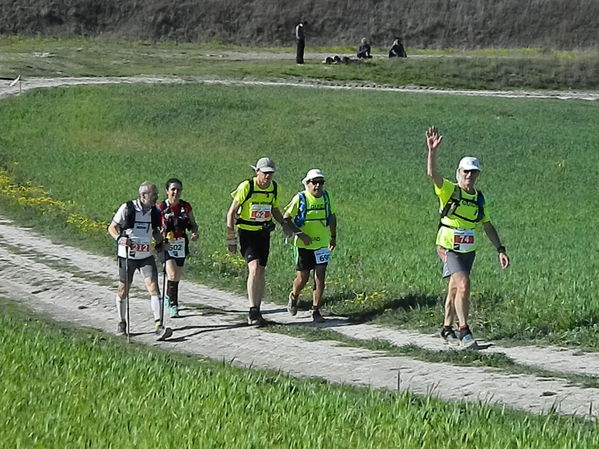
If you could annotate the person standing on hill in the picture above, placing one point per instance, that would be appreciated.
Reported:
(255, 203)
(177, 219)
(312, 217)
(300, 38)
(133, 227)
(462, 209)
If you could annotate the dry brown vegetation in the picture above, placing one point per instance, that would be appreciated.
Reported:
(467, 24)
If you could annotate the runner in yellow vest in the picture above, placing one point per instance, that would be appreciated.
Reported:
(462, 209)
(311, 215)
(255, 203)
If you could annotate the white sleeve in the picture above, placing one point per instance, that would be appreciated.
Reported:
(119, 216)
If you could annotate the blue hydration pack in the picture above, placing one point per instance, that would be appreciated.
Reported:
(302, 210)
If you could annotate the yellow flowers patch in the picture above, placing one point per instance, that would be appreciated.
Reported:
(36, 197)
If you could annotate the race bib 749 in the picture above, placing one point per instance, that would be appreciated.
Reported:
(463, 240)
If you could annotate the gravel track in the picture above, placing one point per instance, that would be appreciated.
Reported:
(72, 285)
(34, 83)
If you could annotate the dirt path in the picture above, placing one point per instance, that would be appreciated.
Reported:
(33, 83)
(72, 285)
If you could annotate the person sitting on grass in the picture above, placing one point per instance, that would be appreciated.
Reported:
(364, 49)
(397, 49)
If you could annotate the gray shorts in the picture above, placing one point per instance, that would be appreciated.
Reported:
(455, 262)
(147, 267)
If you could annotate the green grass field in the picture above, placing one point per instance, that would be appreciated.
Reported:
(146, 398)
(70, 156)
(90, 147)
(474, 69)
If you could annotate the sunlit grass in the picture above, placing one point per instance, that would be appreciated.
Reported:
(91, 147)
(66, 388)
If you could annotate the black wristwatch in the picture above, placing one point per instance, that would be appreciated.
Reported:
(501, 249)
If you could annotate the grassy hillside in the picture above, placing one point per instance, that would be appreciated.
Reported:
(537, 156)
(466, 24)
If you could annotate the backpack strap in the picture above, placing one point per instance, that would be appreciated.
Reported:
(250, 191)
(129, 215)
(253, 190)
(156, 217)
(327, 207)
(454, 201)
(302, 209)
(480, 202)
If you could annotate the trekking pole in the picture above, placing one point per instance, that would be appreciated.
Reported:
(163, 293)
(127, 293)
(167, 331)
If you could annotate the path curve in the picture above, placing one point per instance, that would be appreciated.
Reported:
(75, 286)
(33, 83)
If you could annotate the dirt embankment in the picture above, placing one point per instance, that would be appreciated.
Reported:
(553, 24)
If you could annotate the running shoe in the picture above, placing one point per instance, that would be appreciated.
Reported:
(162, 332)
(448, 334)
(255, 317)
(466, 338)
(292, 305)
(172, 309)
(316, 316)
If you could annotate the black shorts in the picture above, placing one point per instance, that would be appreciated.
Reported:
(254, 245)
(180, 261)
(147, 266)
(305, 260)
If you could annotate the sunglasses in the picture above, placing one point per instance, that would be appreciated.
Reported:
(316, 181)
(470, 171)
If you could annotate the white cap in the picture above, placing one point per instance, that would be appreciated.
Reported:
(265, 165)
(312, 174)
(469, 163)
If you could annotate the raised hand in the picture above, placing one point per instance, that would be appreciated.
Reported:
(433, 138)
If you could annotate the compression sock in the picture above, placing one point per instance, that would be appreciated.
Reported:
(172, 291)
(121, 308)
(155, 304)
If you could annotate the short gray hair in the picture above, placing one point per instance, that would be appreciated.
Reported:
(147, 187)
